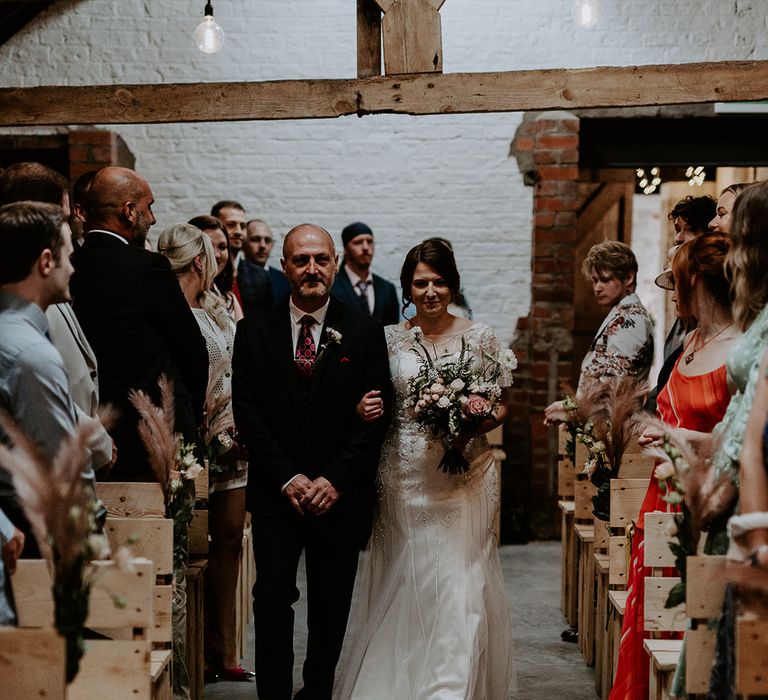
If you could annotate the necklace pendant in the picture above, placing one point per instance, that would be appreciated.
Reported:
(689, 358)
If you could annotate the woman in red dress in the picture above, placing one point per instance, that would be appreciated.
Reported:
(695, 399)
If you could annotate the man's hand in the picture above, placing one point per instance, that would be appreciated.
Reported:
(320, 497)
(296, 490)
(12, 550)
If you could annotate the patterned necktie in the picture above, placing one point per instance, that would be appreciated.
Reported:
(306, 352)
(362, 286)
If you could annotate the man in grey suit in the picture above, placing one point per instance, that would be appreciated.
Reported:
(356, 285)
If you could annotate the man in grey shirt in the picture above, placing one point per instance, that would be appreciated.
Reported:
(34, 388)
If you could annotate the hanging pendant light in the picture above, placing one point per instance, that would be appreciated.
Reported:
(209, 36)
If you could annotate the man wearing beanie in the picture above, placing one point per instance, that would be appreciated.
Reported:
(356, 285)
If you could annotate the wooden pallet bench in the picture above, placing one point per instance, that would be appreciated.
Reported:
(122, 666)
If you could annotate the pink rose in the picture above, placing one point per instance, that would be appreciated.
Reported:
(477, 406)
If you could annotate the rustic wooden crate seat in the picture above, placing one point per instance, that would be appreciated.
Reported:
(663, 657)
(116, 667)
(569, 573)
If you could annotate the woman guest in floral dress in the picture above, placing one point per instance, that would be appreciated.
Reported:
(624, 343)
(193, 259)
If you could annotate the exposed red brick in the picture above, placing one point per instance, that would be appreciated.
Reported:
(557, 141)
(558, 172)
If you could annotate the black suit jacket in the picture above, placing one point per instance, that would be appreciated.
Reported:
(385, 307)
(296, 426)
(255, 287)
(133, 312)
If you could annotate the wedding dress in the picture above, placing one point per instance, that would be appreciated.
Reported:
(431, 619)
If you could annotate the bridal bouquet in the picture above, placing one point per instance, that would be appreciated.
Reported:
(450, 396)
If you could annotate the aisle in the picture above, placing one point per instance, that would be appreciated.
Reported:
(547, 669)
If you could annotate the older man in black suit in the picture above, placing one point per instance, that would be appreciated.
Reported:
(300, 369)
(134, 315)
(356, 285)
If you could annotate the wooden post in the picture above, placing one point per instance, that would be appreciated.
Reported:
(413, 40)
(368, 39)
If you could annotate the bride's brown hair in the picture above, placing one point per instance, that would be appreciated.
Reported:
(436, 253)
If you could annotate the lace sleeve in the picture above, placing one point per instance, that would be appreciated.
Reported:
(489, 347)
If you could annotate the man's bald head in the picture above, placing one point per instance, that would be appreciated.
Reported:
(309, 233)
(120, 200)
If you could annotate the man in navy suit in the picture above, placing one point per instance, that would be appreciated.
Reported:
(257, 248)
(356, 285)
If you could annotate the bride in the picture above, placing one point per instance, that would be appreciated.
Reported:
(431, 619)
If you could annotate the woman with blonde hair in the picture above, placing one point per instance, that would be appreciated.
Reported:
(192, 257)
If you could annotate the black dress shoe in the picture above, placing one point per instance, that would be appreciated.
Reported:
(570, 635)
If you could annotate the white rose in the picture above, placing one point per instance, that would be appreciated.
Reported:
(457, 384)
(437, 388)
(508, 359)
(444, 402)
(664, 471)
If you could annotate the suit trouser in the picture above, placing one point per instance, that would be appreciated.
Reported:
(331, 553)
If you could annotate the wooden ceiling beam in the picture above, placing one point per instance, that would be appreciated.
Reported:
(451, 93)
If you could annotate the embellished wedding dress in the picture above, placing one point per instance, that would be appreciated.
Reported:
(431, 618)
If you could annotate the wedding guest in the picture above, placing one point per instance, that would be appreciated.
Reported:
(79, 217)
(623, 344)
(39, 183)
(225, 273)
(694, 399)
(191, 254)
(135, 316)
(356, 284)
(752, 528)
(232, 217)
(721, 222)
(35, 270)
(745, 267)
(691, 217)
(257, 248)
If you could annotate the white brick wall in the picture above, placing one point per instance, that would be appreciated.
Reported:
(407, 177)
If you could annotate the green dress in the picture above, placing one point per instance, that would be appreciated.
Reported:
(743, 364)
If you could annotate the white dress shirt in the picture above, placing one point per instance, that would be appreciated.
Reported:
(110, 233)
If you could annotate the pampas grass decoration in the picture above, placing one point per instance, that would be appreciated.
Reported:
(156, 430)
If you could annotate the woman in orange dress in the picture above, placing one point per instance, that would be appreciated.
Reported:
(695, 399)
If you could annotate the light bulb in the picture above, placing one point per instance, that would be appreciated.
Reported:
(209, 36)
(586, 13)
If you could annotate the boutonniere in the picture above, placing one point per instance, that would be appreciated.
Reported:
(333, 337)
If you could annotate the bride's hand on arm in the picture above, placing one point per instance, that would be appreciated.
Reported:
(371, 406)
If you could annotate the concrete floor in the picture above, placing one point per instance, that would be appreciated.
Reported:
(547, 668)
